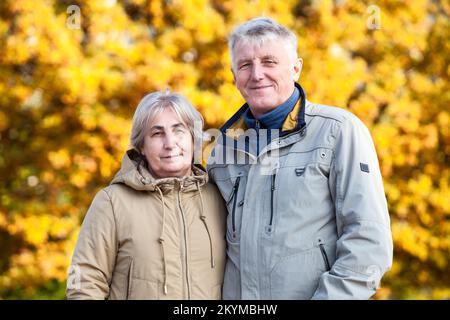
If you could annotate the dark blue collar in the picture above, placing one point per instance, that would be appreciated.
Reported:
(300, 117)
(273, 119)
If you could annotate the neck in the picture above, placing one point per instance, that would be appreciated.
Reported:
(274, 118)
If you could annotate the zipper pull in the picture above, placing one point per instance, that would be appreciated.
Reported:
(236, 184)
(273, 181)
(257, 126)
(235, 192)
(181, 185)
(272, 187)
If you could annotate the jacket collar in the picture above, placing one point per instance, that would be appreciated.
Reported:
(295, 121)
(134, 173)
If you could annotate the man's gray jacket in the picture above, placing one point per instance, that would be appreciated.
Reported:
(307, 215)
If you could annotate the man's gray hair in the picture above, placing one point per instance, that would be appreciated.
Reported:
(258, 31)
(153, 104)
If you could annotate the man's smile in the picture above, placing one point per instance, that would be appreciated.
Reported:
(260, 87)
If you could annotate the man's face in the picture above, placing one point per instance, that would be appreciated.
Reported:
(265, 75)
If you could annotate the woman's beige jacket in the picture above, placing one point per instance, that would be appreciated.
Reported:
(151, 239)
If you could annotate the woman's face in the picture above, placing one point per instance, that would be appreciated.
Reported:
(168, 146)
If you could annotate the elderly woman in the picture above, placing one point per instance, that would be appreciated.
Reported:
(158, 230)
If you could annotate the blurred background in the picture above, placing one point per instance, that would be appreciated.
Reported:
(72, 73)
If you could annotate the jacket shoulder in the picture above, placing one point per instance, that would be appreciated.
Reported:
(117, 193)
(118, 190)
(340, 116)
(330, 112)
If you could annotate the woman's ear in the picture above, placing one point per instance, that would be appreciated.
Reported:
(142, 154)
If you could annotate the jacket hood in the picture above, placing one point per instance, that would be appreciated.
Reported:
(134, 173)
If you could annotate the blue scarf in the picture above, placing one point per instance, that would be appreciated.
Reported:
(273, 119)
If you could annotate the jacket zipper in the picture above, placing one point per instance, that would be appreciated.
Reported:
(272, 191)
(230, 197)
(185, 244)
(203, 218)
(324, 255)
(233, 214)
(257, 126)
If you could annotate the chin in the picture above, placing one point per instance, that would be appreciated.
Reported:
(175, 170)
(262, 104)
(262, 109)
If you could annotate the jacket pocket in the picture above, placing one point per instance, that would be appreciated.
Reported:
(130, 275)
(231, 182)
(216, 292)
(297, 276)
(324, 255)
(121, 279)
(269, 226)
(234, 206)
(233, 210)
(142, 289)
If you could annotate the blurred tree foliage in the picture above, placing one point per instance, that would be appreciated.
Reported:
(67, 96)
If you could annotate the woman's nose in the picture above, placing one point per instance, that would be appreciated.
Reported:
(169, 141)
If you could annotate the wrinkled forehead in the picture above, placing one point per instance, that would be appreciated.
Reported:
(165, 115)
(246, 47)
(257, 40)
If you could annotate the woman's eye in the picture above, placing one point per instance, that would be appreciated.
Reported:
(156, 134)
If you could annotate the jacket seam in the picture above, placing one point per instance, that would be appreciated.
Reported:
(291, 256)
(138, 278)
(325, 117)
(339, 197)
(339, 265)
(379, 223)
(114, 217)
(310, 150)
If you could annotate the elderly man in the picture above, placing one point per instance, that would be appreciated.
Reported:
(307, 214)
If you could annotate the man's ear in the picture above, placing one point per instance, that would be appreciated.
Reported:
(298, 68)
(234, 76)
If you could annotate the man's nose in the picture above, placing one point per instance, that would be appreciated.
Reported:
(257, 72)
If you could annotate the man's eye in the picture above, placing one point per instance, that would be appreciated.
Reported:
(269, 62)
(245, 65)
(158, 133)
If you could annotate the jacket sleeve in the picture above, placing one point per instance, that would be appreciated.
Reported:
(95, 252)
(364, 246)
